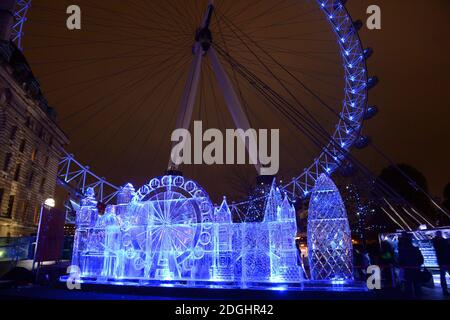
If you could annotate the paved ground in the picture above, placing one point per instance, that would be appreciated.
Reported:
(107, 293)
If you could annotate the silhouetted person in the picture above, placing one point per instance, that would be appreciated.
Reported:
(410, 260)
(387, 261)
(442, 248)
(358, 263)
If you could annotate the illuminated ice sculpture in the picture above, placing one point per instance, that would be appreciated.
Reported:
(169, 231)
(329, 237)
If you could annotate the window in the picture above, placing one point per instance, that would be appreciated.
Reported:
(46, 162)
(2, 191)
(30, 179)
(41, 187)
(7, 162)
(25, 209)
(37, 211)
(22, 145)
(10, 206)
(17, 172)
(34, 155)
(13, 133)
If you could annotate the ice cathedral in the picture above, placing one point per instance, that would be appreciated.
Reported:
(169, 231)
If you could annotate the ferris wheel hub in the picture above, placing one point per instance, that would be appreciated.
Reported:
(203, 36)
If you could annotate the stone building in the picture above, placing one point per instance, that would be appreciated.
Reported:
(30, 139)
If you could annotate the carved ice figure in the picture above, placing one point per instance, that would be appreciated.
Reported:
(329, 237)
(85, 221)
(286, 255)
(256, 264)
(273, 203)
(112, 240)
(223, 244)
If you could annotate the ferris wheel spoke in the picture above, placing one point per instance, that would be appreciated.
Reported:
(178, 237)
(161, 211)
(156, 240)
(168, 206)
(157, 210)
(185, 230)
(179, 208)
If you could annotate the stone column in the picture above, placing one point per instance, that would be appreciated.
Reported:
(6, 18)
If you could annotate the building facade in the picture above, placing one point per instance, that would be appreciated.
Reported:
(30, 141)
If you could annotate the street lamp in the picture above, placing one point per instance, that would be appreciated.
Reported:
(49, 203)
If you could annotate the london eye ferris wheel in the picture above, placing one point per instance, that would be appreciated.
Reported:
(138, 69)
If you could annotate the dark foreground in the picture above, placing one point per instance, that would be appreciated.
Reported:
(89, 292)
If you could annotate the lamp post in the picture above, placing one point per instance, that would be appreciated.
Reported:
(49, 203)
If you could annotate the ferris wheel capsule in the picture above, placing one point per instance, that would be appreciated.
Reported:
(371, 112)
(372, 82)
(362, 142)
(368, 52)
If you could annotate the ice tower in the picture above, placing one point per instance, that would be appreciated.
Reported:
(223, 246)
(329, 237)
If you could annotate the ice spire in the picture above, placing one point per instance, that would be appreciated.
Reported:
(223, 213)
(273, 203)
(329, 236)
(287, 211)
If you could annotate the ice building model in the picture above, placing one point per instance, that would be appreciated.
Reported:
(169, 231)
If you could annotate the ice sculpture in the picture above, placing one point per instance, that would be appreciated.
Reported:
(223, 231)
(329, 237)
(169, 231)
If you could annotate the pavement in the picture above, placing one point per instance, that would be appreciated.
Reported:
(88, 292)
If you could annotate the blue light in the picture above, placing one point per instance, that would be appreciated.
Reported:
(281, 288)
(338, 282)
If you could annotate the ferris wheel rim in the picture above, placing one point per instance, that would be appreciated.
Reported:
(351, 117)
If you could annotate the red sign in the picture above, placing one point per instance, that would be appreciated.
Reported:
(51, 235)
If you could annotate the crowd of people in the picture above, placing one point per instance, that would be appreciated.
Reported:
(403, 267)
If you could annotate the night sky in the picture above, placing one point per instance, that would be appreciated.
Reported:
(116, 83)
